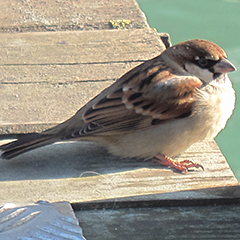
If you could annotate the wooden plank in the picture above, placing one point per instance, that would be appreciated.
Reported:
(63, 73)
(182, 223)
(43, 48)
(83, 172)
(43, 104)
(54, 15)
(43, 82)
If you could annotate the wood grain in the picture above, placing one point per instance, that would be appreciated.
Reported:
(84, 172)
(184, 223)
(43, 82)
(54, 15)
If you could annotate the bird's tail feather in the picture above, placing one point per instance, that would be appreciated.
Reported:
(25, 143)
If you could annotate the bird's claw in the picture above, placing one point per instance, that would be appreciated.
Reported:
(182, 166)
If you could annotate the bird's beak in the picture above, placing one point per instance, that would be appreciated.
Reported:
(224, 66)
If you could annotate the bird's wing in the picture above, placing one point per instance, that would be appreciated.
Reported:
(147, 95)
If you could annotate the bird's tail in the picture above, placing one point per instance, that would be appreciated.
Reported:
(25, 143)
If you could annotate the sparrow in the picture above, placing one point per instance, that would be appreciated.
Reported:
(155, 111)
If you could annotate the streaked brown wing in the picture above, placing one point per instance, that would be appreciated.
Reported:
(139, 100)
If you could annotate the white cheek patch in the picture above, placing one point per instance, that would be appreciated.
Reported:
(201, 73)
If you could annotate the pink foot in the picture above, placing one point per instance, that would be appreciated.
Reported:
(182, 166)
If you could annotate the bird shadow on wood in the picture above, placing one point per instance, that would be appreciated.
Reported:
(67, 160)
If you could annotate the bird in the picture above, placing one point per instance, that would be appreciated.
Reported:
(155, 111)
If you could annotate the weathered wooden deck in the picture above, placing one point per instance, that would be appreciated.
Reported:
(54, 57)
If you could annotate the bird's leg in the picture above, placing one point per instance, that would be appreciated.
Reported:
(182, 166)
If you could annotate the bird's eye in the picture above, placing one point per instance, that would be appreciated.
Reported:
(202, 62)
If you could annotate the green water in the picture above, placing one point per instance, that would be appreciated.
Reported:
(214, 20)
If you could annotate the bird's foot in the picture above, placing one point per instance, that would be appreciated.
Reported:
(182, 166)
